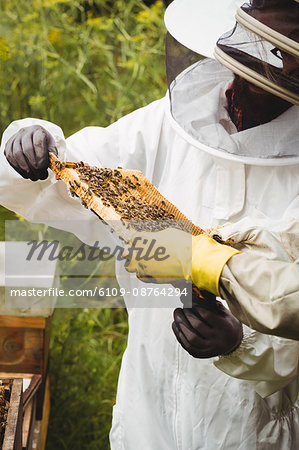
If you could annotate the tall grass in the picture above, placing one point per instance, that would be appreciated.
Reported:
(80, 63)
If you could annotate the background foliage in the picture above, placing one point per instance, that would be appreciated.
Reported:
(75, 62)
(80, 63)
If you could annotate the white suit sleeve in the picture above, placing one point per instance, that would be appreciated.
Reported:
(270, 362)
(266, 276)
(127, 142)
(266, 298)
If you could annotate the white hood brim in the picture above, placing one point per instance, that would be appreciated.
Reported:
(197, 24)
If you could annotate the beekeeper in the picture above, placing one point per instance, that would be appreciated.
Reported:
(221, 150)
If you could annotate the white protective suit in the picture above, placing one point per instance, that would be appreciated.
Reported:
(166, 399)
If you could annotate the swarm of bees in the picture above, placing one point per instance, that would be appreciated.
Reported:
(121, 194)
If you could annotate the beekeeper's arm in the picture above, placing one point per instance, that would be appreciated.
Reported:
(263, 294)
(270, 362)
(261, 285)
(127, 142)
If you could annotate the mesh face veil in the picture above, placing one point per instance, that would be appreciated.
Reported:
(199, 85)
(263, 47)
(178, 58)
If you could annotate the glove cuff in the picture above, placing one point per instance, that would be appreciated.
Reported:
(208, 259)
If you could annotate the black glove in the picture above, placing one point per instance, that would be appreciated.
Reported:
(27, 152)
(208, 328)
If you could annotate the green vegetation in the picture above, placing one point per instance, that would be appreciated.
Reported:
(80, 63)
(86, 352)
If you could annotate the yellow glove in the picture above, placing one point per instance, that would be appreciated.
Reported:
(208, 259)
(172, 254)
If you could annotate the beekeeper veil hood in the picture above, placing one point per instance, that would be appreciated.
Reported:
(261, 47)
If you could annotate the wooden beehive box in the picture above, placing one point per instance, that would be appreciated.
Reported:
(24, 343)
(12, 430)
